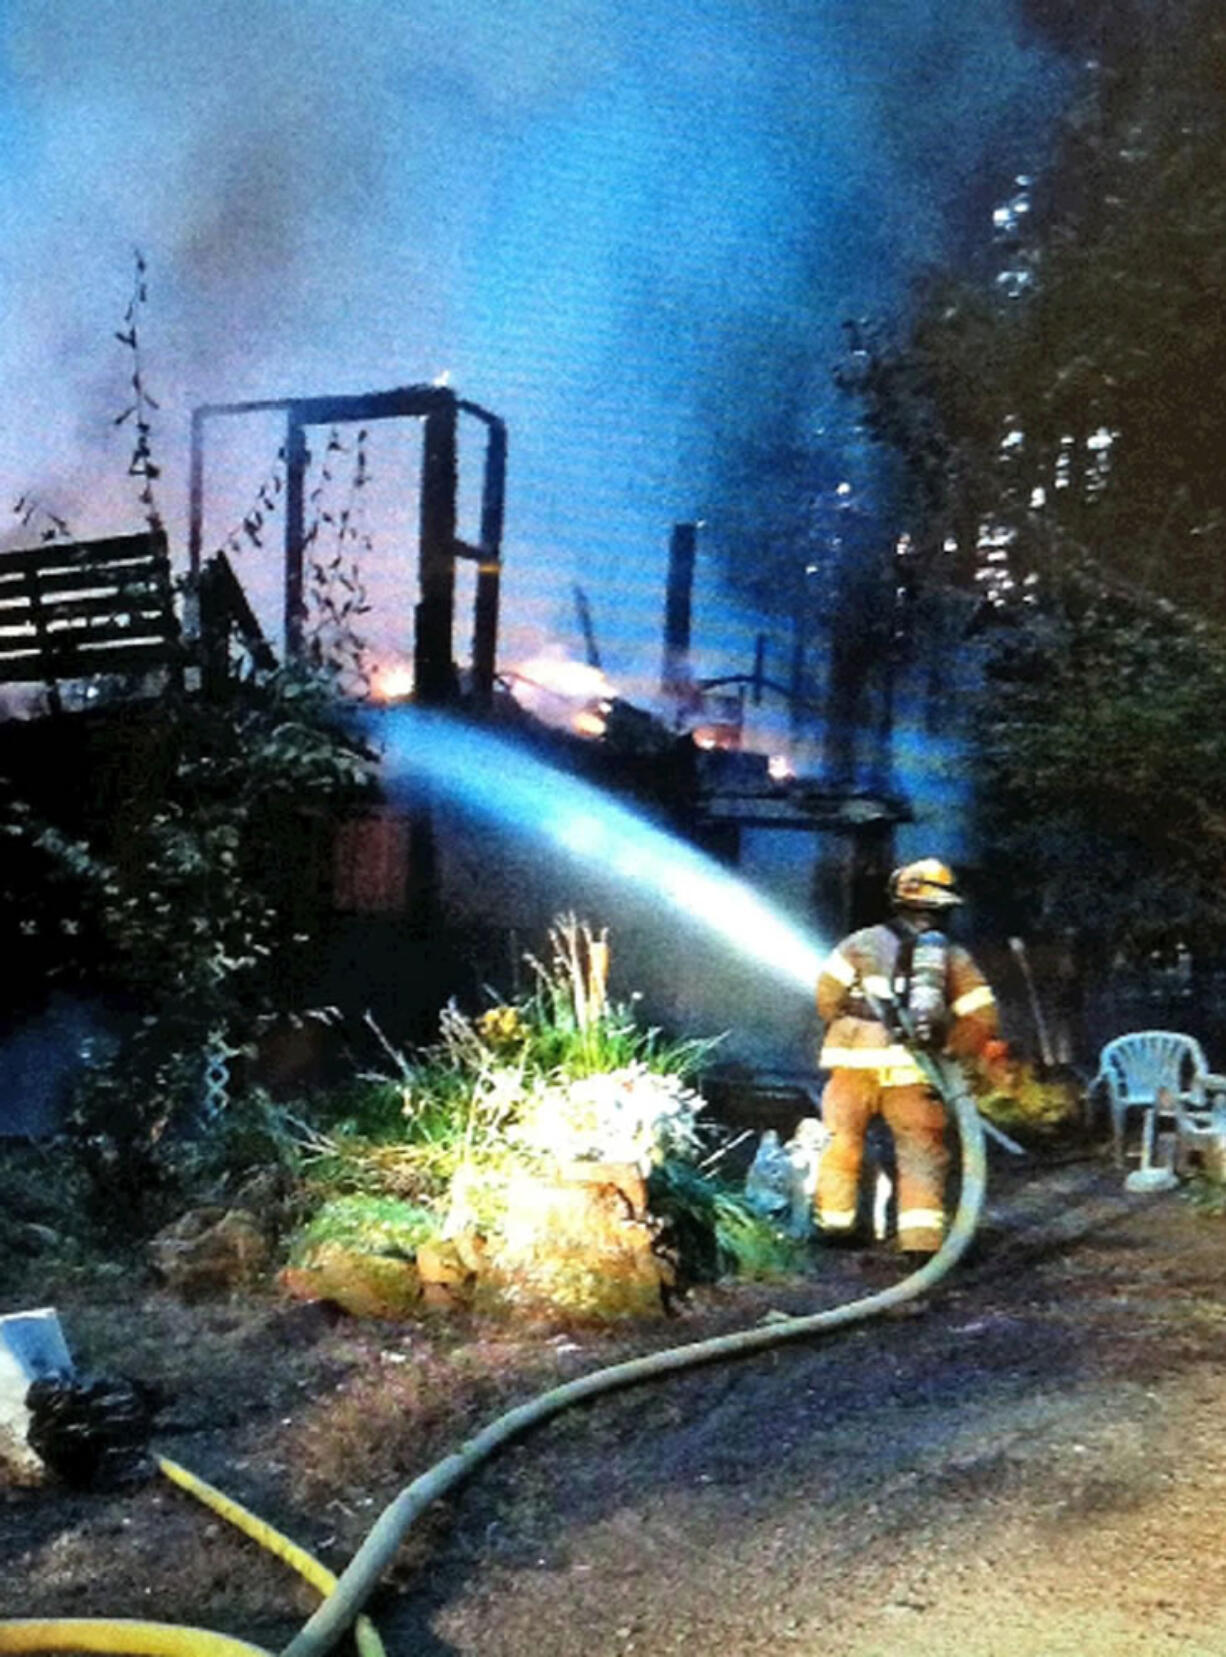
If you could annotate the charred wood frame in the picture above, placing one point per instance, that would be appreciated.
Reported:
(223, 611)
(439, 546)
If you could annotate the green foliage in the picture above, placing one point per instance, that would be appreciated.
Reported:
(452, 1101)
(254, 1134)
(1097, 316)
(369, 1223)
(1102, 768)
(560, 1074)
(192, 899)
(42, 1210)
(189, 892)
(463, 1093)
(197, 892)
(1027, 1103)
(715, 1231)
(496, 1089)
(1206, 1195)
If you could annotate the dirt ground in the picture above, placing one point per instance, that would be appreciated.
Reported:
(1031, 1461)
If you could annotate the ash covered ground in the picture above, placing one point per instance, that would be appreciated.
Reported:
(1027, 1461)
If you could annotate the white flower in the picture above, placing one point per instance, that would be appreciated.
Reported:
(631, 1115)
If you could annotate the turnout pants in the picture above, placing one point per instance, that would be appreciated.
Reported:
(916, 1119)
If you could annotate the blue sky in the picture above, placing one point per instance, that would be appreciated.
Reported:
(631, 230)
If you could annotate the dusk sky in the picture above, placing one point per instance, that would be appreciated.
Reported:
(630, 230)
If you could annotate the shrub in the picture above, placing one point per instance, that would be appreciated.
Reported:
(1026, 1101)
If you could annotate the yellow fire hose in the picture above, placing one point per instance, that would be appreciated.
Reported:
(152, 1639)
(318, 1575)
(347, 1595)
(139, 1639)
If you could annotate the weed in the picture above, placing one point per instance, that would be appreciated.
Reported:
(1206, 1195)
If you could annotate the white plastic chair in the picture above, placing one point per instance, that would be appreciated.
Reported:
(1162, 1071)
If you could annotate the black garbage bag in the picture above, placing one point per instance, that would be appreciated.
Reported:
(92, 1432)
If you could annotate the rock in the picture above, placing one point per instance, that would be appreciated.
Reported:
(364, 1285)
(579, 1241)
(210, 1250)
(264, 1193)
(472, 1248)
(20, 1467)
(447, 1272)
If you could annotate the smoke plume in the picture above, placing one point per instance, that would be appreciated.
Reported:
(630, 230)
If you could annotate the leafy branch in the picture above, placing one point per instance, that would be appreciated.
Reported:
(34, 512)
(250, 528)
(337, 592)
(140, 409)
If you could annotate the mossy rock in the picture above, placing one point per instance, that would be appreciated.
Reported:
(366, 1224)
(364, 1285)
(577, 1241)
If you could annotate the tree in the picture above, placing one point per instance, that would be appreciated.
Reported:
(1061, 423)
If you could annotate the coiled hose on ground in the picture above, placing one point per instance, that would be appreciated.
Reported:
(345, 1598)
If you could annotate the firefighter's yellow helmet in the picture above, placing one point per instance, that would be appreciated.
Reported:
(928, 884)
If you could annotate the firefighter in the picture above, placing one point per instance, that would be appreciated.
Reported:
(909, 962)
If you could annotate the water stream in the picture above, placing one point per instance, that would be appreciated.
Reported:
(427, 753)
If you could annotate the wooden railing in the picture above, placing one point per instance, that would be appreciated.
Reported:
(73, 610)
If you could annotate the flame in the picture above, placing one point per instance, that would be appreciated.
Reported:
(565, 693)
(590, 722)
(711, 736)
(392, 682)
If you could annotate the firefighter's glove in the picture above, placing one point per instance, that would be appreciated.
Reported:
(998, 1064)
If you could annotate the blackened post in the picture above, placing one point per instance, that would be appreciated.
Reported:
(295, 529)
(586, 626)
(797, 698)
(675, 675)
(195, 498)
(193, 599)
(489, 569)
(434, 670)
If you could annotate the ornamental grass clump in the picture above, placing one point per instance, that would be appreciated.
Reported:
(493, 1083)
